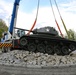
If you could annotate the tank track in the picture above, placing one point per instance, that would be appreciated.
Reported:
(47, 44)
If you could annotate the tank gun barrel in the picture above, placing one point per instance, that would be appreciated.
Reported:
(22, 29)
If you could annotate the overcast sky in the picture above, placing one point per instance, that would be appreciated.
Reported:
(27, 13)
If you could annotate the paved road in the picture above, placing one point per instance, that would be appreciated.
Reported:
(15, 70)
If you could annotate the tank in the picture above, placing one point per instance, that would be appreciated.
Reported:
(47, 40)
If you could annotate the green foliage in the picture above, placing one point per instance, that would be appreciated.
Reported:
(72, 34)
(3, 27)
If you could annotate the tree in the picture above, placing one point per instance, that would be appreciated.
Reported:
(72, 34)
(3, 27)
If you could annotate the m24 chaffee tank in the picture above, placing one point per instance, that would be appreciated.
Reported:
(47, 40)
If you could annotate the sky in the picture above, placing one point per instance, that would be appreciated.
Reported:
(27, 13)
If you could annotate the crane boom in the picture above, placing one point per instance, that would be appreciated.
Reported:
(14, 16)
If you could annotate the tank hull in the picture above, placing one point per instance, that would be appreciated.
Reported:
(49, 44)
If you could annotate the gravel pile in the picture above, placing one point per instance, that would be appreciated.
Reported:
(25, 58)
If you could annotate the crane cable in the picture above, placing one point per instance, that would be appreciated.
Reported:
(62, 19)
(35, 19)
(55, 19)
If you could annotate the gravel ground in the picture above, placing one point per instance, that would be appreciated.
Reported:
(25, 58)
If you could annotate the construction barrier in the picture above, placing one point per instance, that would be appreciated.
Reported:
(5, 45)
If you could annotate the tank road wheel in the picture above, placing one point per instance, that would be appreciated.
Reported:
(72, 47)
(49, 49)
(57, 50)
(31, 47)
(65, 50)
(41, 48)
(23, 41)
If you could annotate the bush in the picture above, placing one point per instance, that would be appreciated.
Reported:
(3, 27)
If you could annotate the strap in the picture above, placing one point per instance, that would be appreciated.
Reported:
(35, 19)
(55, 19)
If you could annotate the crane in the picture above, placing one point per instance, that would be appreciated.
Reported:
(6, 40)
(10, 33)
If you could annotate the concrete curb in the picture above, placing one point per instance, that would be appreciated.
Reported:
(53, 70)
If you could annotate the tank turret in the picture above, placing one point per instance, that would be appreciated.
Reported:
(45, 30)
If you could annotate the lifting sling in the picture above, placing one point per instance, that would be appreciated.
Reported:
(35, 19)
(62, 19)
(55, 19)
